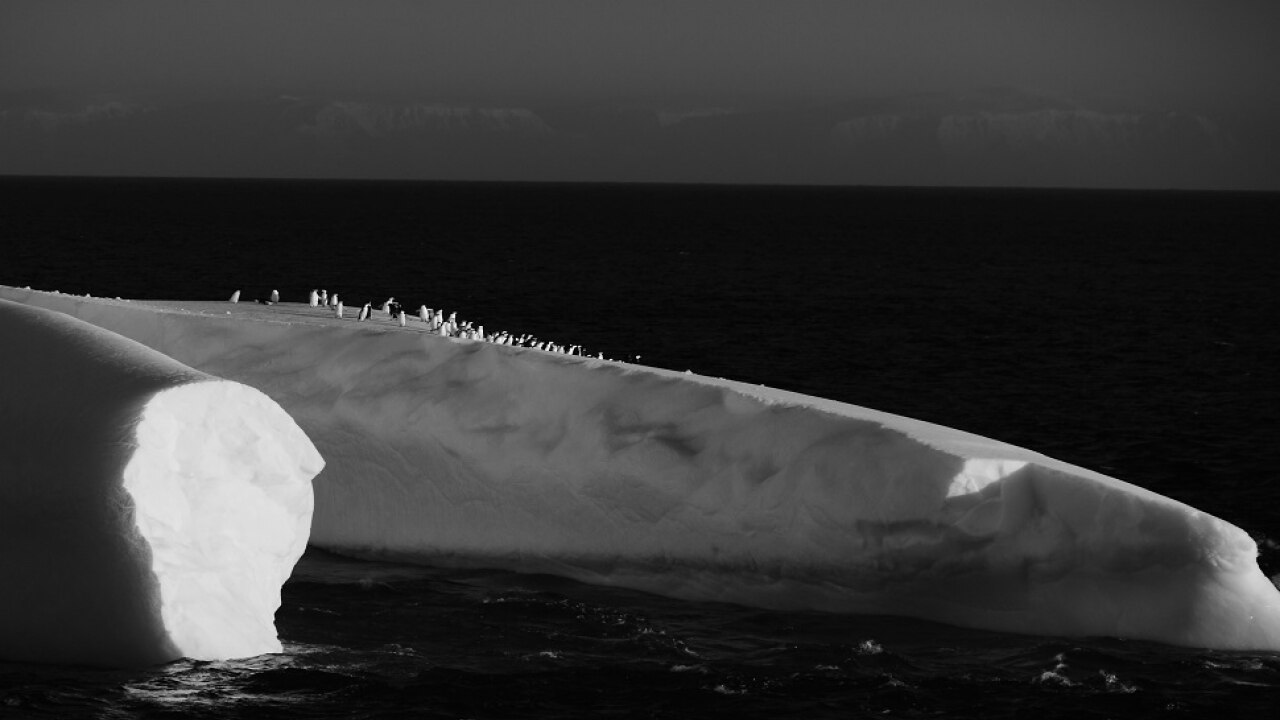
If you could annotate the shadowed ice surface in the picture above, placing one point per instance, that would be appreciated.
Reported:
(475, 454)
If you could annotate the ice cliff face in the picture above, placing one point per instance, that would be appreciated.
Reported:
(148, 511)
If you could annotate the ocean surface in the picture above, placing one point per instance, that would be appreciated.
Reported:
(1134, 333)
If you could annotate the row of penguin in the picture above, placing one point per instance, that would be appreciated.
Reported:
(436, 321)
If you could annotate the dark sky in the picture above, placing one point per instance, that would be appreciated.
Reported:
(1148, 50)
(1210, 57)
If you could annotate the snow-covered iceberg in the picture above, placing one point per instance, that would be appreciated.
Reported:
(466, 452)
(148, 511)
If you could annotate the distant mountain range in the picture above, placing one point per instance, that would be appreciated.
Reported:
(990, 137)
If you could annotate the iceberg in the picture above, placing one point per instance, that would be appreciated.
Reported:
(148, 511)
(464, 452)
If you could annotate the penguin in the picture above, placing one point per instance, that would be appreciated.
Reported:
(337, 308)
(386, 306)
(404, 321)
(365, 312)
(235, 296)
(424, 314)
(324, 298)
(313, 299)
(275, 296)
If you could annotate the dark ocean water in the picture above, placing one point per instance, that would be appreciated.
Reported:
(1137, 334)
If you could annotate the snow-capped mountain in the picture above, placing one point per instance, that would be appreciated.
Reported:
(51, 119)
(1000, 137)
(1039, 144)
(337, 119)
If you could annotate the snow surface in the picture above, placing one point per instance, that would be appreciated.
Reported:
(464, 452)
(148, 511)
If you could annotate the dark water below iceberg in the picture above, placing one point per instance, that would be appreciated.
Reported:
(1137, 334)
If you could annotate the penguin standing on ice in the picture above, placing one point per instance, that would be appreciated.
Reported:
(313, 299)
(386, 306)
(337, 308)
(365, 312)
(424, 314)
(404, 320)
(235, 296)
(275, 296)
(324, 298)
